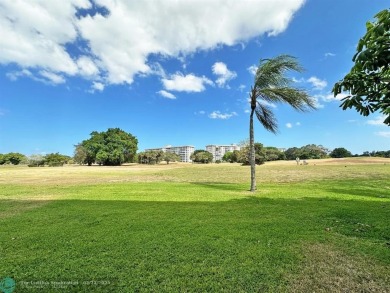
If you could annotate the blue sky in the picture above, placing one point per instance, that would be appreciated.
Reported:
(172, 72)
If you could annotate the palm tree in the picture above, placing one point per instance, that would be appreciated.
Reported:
(272, 86)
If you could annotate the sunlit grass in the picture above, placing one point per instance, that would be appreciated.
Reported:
(197, 228)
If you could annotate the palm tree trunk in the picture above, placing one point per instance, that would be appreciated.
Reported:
(252, 152)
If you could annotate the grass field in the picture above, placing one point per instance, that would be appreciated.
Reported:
(324, 227)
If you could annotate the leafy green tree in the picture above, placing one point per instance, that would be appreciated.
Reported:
(111, 148)
(292, 153)
(368, 81)
(13, 158)
(273, 154)
(231, 157)
(150, 157)
(170, 157)
(80, 154)
(56, 159)
(272, 86)
(244, 154)
(312, 151)
(383, 154)
(228, 157)
(101, 157)
(340, 153)
(201, 156)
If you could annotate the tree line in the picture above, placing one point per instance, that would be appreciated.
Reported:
(115, 147)
(37, 160)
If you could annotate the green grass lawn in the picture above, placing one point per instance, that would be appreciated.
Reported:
(324, 227)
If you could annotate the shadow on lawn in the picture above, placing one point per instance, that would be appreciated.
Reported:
(378, 192)
(237, 245)
(222, 186)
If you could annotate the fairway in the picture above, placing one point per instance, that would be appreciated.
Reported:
(324, 227)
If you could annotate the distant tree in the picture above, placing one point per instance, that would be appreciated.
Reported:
(101, 157)
(272, 85)
(368, 81)
(244, 154)
(292, 153)
(231, 157)
(56, 159)
(201, 156)
(383, 154)
(141, 158)
(312, 151)
(13, 158)
(227, 157)
(273, 154)
(340, 153)
(111, 148)
(36, 161)
(170, 157)
(150, 157)
(80, 154)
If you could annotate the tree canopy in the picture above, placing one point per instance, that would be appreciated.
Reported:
(340, 153)
(150, 157)
(12, 158)
(368, 82)
(201, 156)
(110, 148)
(310, 151)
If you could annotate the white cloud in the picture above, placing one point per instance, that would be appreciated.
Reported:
(298, 124)
(15, 75)
(317, 83)
(167, 95)
(223, 116)
(266, 103)
(42, 35)
(186, 83)
(298, 80)
(34, 33)
(241, 87)
(329, 54)
(252, 69)
(377, 121)
(224, 74)
(289, 125)
(385, 134)
(43, 76)
(97, 86)
(87, 67)
(327, 98)
(52, 77)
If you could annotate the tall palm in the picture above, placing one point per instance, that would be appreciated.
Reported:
(272, 86)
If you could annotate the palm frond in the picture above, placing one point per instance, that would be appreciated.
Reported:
(296, 98)
(271, 72)
(266, 117)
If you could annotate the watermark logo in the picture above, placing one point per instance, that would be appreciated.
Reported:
(7, 285)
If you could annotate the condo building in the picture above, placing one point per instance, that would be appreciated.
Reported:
(184, 152)
(219, 151)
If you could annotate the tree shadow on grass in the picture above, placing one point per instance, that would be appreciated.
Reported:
(222, 186)
(374, 193)
(237, 245)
